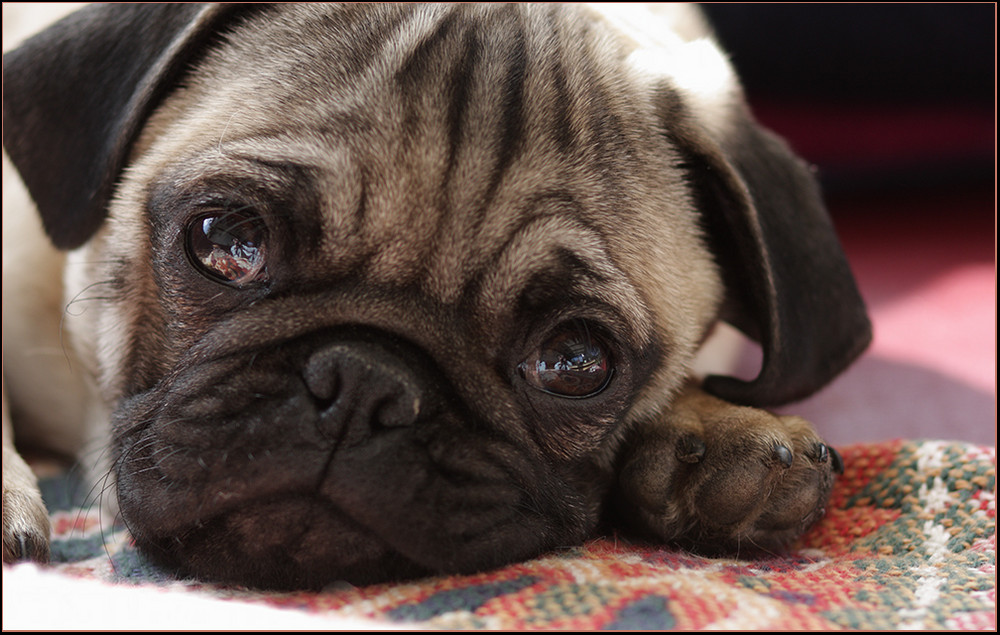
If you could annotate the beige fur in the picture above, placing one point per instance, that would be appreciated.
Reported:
(408, 197)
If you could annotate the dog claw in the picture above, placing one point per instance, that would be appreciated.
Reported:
(784, 455)
(821, 453)
(838, 462)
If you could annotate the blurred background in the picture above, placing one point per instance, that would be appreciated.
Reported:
(895, 104)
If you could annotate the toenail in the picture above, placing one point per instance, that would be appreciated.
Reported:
(838, 463)
(783, 454)
(821, 453)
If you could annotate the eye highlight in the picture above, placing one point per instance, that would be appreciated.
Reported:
(229, 246)
(574, 362)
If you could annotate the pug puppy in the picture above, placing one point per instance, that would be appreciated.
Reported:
(368, 292)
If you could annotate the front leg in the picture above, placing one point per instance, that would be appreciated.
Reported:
(25, 519)
(723, 478)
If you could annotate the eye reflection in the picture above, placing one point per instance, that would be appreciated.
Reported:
(229, 246)
(572, 363)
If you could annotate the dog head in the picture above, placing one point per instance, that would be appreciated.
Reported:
(382, 287)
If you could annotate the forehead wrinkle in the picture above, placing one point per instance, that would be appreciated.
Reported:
(413, 228)
(334, 174)
(448, 135)
(438, 173)
(538, 247)
(481, 204)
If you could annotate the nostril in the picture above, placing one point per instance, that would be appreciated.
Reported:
(402, 409)
(362, 385)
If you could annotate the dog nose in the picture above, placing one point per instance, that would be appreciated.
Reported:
(360, 387)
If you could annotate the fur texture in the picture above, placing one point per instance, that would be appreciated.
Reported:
(467, 256)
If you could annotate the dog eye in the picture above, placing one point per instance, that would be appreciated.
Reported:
(573, 363)
(229, 246)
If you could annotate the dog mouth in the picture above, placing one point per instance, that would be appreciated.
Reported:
(295, 542)
(349, 468)
(380, 515)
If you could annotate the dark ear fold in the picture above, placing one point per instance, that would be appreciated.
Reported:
(76, 95)
(787, 280)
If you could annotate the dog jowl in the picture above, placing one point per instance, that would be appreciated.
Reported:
(381, 291)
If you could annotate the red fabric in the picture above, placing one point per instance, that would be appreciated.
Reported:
(926, 266)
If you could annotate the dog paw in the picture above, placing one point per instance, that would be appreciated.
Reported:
(722, 478)
(25, 520)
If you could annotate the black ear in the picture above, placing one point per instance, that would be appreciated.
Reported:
(76, 95)
(788, 283)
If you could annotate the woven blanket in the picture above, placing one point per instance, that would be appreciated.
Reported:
(908, 542)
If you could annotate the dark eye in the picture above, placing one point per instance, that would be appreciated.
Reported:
(574, 362)
(229, 246)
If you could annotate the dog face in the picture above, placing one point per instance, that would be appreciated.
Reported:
(385, 288)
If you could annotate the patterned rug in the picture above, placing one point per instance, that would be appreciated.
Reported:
(908, 542)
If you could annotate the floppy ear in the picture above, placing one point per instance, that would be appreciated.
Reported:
(76, 95)
(788, 283)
